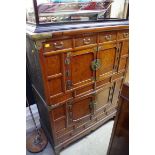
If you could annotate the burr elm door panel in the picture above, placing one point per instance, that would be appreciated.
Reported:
(80, 110)
(78, 70)
(104, 97)
(108, 56)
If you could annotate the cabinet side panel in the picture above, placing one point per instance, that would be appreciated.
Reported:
(45, 120)
(34, 67)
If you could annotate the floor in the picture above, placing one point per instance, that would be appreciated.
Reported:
(94, 144)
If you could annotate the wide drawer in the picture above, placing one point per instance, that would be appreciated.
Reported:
(57, 45)
(124, 34)
(85, 40)
(107, 36)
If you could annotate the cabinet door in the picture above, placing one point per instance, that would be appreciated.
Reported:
(80, 110)
(104, 97)
(78, 70)
(107, 56)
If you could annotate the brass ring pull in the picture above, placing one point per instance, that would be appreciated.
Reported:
(108, 37)
(86, 41)
(125, 35)
(59, 45)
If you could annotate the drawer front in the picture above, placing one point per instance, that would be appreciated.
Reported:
(124, 34)
(85, 40)
(61, 98)
(101, 83)
(107, 36)
(57, 45)
(84, 90)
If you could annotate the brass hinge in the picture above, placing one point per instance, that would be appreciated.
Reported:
(96, 64)
(67, 73)
(68, 84)
(67, 61)
(92, 106)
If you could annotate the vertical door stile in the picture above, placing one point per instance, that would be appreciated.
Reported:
(63, 71)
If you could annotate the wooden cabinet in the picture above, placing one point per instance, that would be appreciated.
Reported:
(77, 76)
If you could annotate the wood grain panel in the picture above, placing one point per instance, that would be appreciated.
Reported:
(123, 34)
(83, 40)
(122, 64)
(61, 98)
(107, 36)
(107, 58)
(55, 86)
(81, 68)
(103, 82)
(59, 124)
(57, 45)
(125, 48)
(81, 112)
(102, 98)
(85, 89)
(59, 112)
(53, 64)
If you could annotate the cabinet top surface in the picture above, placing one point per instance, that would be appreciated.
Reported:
(94, 26)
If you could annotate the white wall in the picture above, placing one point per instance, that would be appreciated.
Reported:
(117, 8)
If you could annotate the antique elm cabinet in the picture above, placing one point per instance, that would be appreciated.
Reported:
(77, 57)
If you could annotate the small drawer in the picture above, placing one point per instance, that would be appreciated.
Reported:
(85, 40)
(57, 45)
(60, 98)
(123, 34)
(84, 90)
(107, 36)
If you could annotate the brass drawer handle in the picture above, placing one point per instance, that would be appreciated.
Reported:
(86, 41)
(59, 45)
(125, 35)
(108, 37)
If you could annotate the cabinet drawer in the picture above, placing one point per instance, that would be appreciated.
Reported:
(123, 34)
(107, 36)
(60, 98)
(57, 45)
(85, 40)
